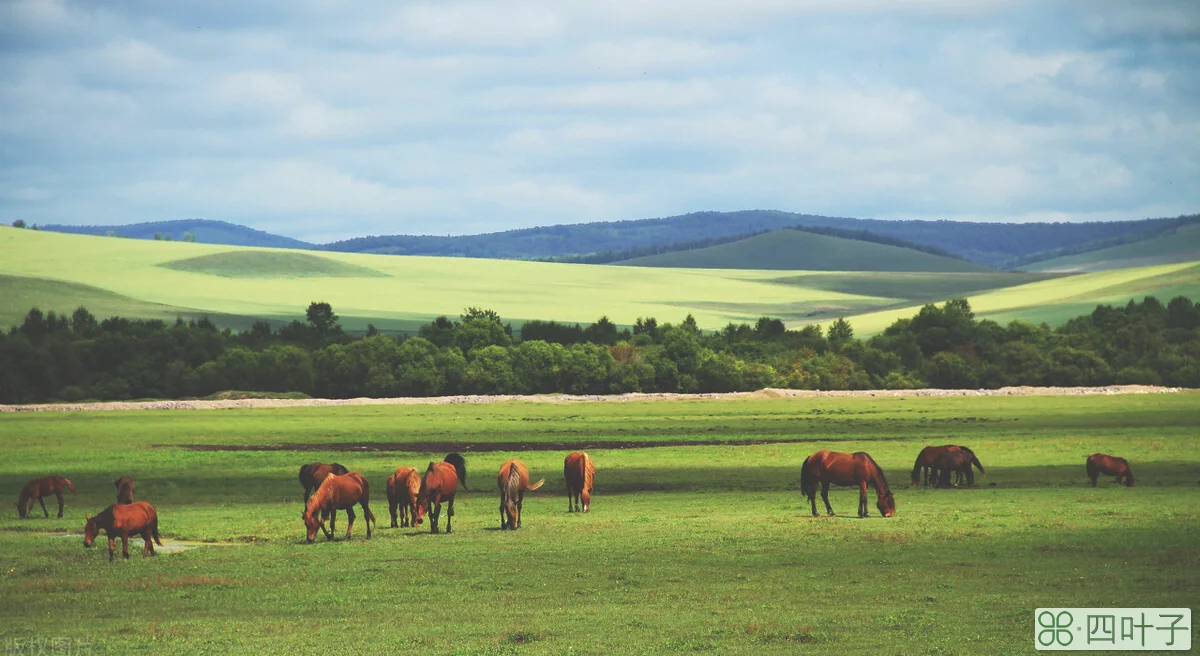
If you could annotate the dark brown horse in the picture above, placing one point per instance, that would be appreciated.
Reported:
(314, 473)
(403, 488)
(124, 487)
(124, 520)
(826, 467)
(40, 487)
(338, 493)
(1102, 463)
(440, 484)
(959, 460)
(513, 481)
(581, 475)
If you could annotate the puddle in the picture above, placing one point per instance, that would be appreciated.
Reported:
(169, 546)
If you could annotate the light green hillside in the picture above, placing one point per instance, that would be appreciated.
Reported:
(796, 250)
(1182, 245)
(407, 289)
(1059, 299)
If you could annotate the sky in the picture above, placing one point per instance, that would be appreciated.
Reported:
(307, 119)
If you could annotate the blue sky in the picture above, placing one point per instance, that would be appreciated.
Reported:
(308, 120)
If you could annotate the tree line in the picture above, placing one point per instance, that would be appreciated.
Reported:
(53, 357)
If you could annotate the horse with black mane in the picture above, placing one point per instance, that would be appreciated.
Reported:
(338, 493)
(846, 469)
(513, 481)
(1102, 463)
(314, 473)
(440, 484)
(40, 487)
(957, 459)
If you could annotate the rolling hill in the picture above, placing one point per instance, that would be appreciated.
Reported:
(1179, 245)
(205, 231)
(235, 285)
(797, 250)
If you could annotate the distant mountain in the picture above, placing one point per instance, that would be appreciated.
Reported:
(1178, 244)
(800, 250)
(205, 231)
(990, 244)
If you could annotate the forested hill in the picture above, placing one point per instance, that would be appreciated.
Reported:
(990, 244)
(203, 230)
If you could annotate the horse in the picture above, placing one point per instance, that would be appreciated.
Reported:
(40, 487)
(924, 464)
(825, 467)
(338, 492)
(312, 474)
(440, 483)
(124, 519)
(957, 459)
(1102, 463)
(124, 487)
(513, 481)
(580, 473)
(403, 487)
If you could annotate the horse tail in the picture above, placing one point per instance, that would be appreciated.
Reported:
(370, 516)
(154, 530)
(536, 485)
(70, 487)
(1128, 475)
(975, 461)
(916, 472)
(808, 482)
(589, 473)
(460, 467)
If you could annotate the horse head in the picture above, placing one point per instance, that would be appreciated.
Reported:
(90, 530)
(21, 509)
(886, 504)
(313, 521)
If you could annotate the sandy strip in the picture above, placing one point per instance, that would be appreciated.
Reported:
(229, 404)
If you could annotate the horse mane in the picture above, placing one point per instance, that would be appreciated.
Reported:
(339, 468)
(321, 496)
(460, 467)
(878, 470)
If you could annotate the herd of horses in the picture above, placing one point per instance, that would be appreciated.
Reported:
(329, 488)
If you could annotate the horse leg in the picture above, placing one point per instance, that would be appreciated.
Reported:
(125, 545)
(112, 546)
(862, 500)
(332, 524)
(812, 498)
(825, 497)
(148, 550)
(44, 511)
(503, 517)
(392, 510)
(435, 509)
(350, 521)
(520, 502)
(60, 503)
(449, 514)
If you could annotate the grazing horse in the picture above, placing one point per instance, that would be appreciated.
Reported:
(825, 467)
(925, 462)
(338, 493)
(581, 475)
(124, 519)
(40, 487)
(314, 473)
(124, 487)
(957, 459)
(403, 487)
(1102, 463)
(513, 481)
(440, 483)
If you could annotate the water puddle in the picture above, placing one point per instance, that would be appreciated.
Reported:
(169, 546)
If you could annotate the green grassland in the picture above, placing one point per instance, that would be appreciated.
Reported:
(234, 286)
(1179, 245)
(795, 250)
(706, 548)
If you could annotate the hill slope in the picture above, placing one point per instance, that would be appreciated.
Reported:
(990, 244)
(205, 231)
(1179, 245)
(796, 250)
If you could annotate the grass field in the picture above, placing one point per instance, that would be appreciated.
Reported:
(234, 286)
(1180, 245)
(705, 548)
(795, 250)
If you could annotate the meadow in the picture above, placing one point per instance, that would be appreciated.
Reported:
(235, 286)
(702, 546)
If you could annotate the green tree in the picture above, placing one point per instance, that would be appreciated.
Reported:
(839, 333)
(19, 223)
(489, 371)
(322, 321)
(538, 366)
(474, 334)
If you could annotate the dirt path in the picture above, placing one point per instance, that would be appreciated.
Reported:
(568, 398)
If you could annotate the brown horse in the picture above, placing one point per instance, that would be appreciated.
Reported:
(513, 481)
(403, 487)
(338, 493)
(314, 473)
(825, 467)
(136, 518)
(124, 487)
(1102, 463)
(957, 459)
(440, 483)
(581, 475)
(40, 487)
